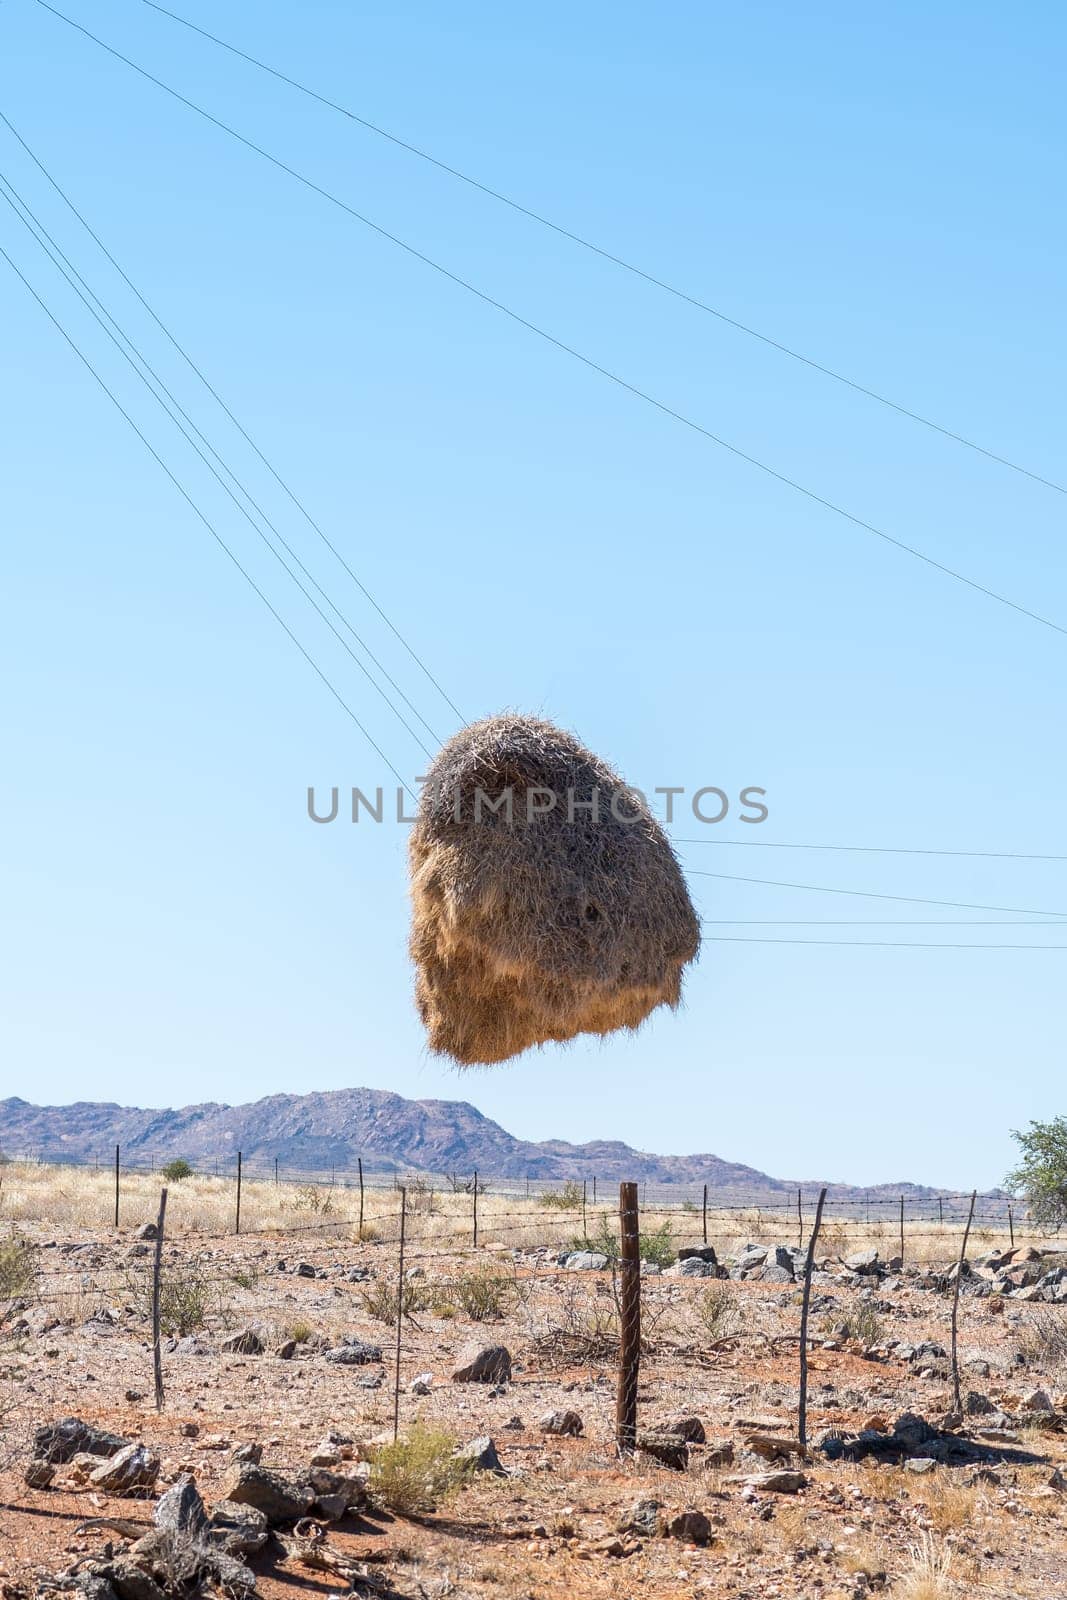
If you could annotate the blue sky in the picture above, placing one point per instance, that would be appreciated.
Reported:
(875, 188)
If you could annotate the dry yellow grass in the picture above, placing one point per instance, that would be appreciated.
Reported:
(929, 1574)
(82, 1199)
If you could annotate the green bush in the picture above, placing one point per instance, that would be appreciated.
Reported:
(175, 1171)
(1041, 1175)
(482, 1294)
(656, 1246)
(18, 1267)
(569, 1198)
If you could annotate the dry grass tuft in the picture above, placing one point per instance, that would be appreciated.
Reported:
(416, 1473)
(929, 1575)
(533, 922)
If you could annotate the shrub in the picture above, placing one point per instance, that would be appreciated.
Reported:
(569, 1198)
(416, 1473)
(719, 1313)
(183, 1299)
(314, 1198)
(175, 1171)
(482, 1294)
(861, 1323)
(380, 1299)
(1042, 1173)
(1044, 1343)
(18, 1267)
(657, 1246)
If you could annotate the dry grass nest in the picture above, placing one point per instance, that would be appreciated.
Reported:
(534, 917)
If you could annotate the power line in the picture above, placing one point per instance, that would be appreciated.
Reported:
(7, 191)
(291, 493)
(878, 849)
(559, 344)
(879, 944)
(870, 922)
(208, 525)
(870, 894)
(18, 205)
(608, 255)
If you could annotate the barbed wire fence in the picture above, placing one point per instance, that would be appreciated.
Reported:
(408, 1232)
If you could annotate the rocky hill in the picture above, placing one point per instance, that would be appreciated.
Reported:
(329, 1130)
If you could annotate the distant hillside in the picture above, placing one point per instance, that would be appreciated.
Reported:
(330, 1130)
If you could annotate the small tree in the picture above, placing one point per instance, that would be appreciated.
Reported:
(1041, 1175)
(175, 1171)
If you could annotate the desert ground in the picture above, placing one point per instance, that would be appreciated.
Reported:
(279, 1358)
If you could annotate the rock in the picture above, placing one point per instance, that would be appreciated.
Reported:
(131, 1582)
(586, 1261)
(129, 1471)
(181, 1510)
(62, 1441)
(920, 1464)
(694, 1267)
(720, 1453)
(566, 1424)
(91, 1586)
(669, 1449)
(913, 1431)
(691, 1526)
(863, 1261)
(251, 1451)
(304, 1269)
(697, 1252)
(279, 1499)
(479, 1455)
(247, 1342)
(231, 1577)
(687, 1427)
(147, 1230)
(336, 1492)
(1036, 1400)
(777, 1274)
(421, 1384)
(514, 1425)
(643, 1518)
(483, 1364)
(240, 1530)
(38, 1474)
(354, 1353)
(977, 1405)
(777, 1482)
(782, 1257)
(286, 1350)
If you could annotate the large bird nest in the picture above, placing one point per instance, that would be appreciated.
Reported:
(546, 900)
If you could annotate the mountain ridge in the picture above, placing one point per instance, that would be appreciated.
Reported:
(327, 1130)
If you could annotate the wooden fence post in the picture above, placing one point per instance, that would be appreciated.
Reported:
(629, 1319)
(1011, 1227)
(802, 1420)
(957, 1404)
(705, 1213)
(594, 1188)
(399, 1314)
(585, 1225)
(237, 1227)
(902, 1227)
(116, 1186)
(359, 1163)
(275, 1171)
(800, 1217)
(476, 1208)
(157, 1268)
